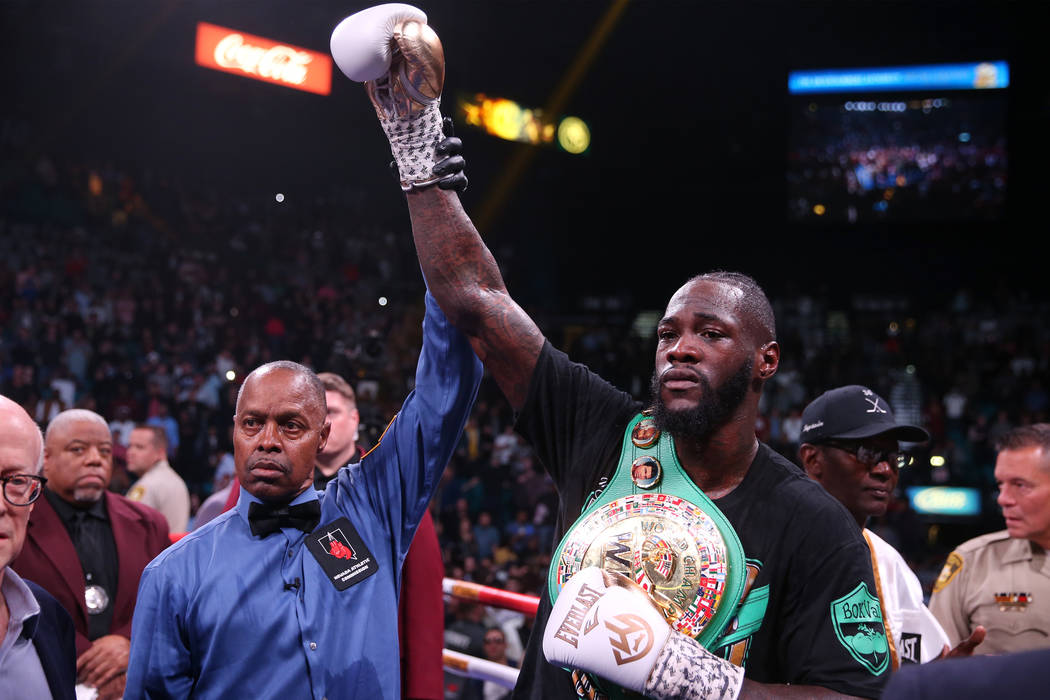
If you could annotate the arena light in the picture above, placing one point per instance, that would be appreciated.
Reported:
(573, 135)
(232, 51)
(944, 500)
(506, 119)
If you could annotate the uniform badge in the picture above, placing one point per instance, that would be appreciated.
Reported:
(857, 618)
(952, 566)
(341, 553)
(1013, 602)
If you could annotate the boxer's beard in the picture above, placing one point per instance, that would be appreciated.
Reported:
(711, 412)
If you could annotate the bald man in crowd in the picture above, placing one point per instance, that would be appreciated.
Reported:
(88, 546)
(37, 651)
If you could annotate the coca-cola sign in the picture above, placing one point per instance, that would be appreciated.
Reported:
(263, 59)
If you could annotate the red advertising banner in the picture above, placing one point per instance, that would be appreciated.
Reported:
(252, 56)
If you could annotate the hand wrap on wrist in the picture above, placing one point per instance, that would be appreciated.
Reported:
(412, 142)
(687, 671)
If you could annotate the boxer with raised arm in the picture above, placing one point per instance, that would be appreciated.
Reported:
(803, 619)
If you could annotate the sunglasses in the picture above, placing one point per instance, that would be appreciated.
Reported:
(871, 456)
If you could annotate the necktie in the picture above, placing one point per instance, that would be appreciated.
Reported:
(265, 518)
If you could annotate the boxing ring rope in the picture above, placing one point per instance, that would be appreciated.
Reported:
(479, 669)
(471, 666)
(486, 595)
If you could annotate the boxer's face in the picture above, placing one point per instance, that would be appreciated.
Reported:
(278, 432)
(705, 359)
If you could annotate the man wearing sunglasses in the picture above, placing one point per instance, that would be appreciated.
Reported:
(851, 446)
(37, 651)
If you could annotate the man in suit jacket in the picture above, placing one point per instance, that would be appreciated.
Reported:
(37, 654)
(87, 546)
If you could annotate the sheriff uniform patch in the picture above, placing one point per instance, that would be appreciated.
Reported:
(951, 567)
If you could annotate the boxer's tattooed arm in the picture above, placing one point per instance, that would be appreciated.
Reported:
(465, 279)
(686, 670)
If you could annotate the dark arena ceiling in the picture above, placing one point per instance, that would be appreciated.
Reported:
(687, 104)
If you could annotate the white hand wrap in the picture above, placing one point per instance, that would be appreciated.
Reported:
(606, 625)
(687, 671)
(412, 142)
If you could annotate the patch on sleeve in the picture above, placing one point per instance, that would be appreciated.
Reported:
(951, 567)
(857, 618)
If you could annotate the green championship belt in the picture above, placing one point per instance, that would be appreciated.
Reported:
(654, 526)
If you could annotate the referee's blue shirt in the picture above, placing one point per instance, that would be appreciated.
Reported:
(218, 612)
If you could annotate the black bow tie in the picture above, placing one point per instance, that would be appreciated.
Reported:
(265, 518)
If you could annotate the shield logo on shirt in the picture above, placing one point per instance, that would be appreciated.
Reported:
(857, 618)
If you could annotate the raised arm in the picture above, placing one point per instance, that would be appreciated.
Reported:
(465, 280)
(400, 59)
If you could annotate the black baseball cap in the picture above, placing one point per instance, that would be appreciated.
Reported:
(854, 412)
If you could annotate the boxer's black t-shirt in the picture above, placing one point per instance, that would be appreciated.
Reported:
(813, 566)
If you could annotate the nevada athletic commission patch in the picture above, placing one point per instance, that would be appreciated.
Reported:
(857, 617)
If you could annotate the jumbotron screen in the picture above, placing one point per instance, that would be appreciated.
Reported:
(904, 143)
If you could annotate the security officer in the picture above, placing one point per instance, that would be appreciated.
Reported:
(1002, 580)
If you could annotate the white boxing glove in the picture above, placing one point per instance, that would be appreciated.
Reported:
(605, 624)
(361, 43)
(402, 63)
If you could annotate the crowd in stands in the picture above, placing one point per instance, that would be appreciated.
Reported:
(148, 300)
(922, 158)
